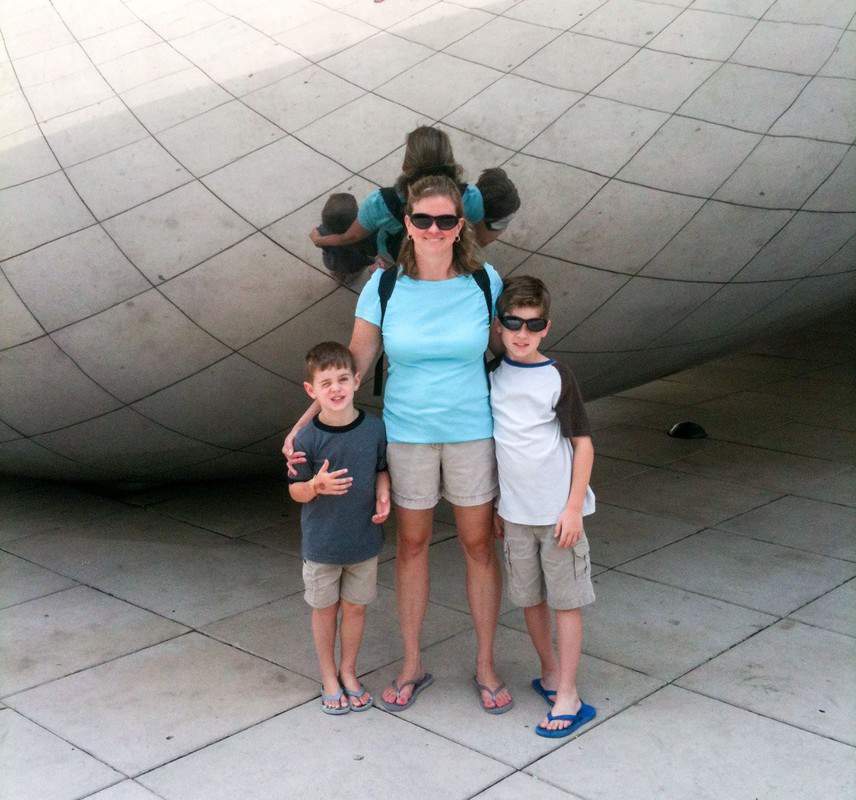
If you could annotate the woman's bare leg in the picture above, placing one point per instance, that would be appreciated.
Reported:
(411, 589)
(484, 590)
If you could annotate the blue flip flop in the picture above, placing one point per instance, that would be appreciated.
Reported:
(584, 715)
(545, 693)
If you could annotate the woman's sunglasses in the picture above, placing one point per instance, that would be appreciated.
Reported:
(445, 222)
(516, 323)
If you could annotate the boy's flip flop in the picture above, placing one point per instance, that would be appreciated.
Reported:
(352, 693)
(545, 693)
(480, 687)
(333, 698)
(584, 715)
(418, 685)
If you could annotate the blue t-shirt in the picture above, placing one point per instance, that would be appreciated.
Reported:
(374, 215)
(435, 334)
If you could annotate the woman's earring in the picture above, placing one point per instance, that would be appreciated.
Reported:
(458, 238)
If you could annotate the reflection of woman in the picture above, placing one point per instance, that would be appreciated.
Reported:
(438, 420)
(428, 151)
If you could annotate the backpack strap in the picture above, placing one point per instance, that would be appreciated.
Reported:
(481, 277)
(384, 290)
(395, 206)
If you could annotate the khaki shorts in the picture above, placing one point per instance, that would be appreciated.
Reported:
(325, 583)
(462, 472)
(539, 569)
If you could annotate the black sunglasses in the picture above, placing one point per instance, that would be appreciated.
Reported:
(445, 222)
(516, 323)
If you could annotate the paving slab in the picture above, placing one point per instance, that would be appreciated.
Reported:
(282, 632)
(799, 522)
(693, 498)
(645, 445)
(522, 785)
(22, 580)
(178, 571)
(767, 577)
(78, 275)
(512, 111)
(620, 534)
(222, 691)
(330, 133)
(755, 466)
(754, 756)
(441, 24)
(508, 737)
(503, 43)
(277, 179)
(627, 20)
(438, 85)
(795, 673)
(126, 790)
(40, 766)
(376, 755)
(69, 631)
(176, 231)
(649, 219)
(598, 134)
(833, 611)
(360, 65)
(661, 630)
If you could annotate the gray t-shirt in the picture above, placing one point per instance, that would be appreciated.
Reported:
(338, 529)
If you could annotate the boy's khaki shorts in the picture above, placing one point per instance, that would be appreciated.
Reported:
(325, 583)
(462, 472)
(539, 569)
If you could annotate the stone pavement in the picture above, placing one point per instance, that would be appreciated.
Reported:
(156, 645)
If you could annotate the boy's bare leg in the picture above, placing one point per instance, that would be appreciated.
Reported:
(569, 626)
(539, 625)
(484, 590)
(411, 591)
(324, 633)
(350, 637)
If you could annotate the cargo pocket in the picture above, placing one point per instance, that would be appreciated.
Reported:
(506, 554)
(582, 564)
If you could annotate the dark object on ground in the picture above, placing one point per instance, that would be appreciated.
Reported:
(687, 430)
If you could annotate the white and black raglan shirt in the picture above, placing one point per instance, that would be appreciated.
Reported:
(537, 408)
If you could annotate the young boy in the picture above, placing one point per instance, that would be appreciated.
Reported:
(344, 487)
(346, 261)
(544, 454)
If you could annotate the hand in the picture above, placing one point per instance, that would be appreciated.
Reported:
(331, 482)
(569, 528)
(315, 237)
(381, 509)
(292, 456)
(498, 526)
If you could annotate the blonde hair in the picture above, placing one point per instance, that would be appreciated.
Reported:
(464, 250)
(428, 151)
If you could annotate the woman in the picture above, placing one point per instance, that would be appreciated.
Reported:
(427, 151)
(437, 414)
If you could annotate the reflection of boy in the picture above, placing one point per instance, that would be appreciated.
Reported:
(544, 456)
(344, 488)
(344, 261)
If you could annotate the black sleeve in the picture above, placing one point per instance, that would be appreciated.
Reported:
(571, 410)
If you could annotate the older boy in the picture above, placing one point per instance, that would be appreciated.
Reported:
(344, 487)
(544, 454)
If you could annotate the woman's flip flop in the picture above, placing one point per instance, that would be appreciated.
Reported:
(480, 687)
(333, 698)
(418, 685)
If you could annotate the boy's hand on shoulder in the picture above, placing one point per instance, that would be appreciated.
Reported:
(315, 237)
(569, 528)
(498, 526)
(335, 482)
